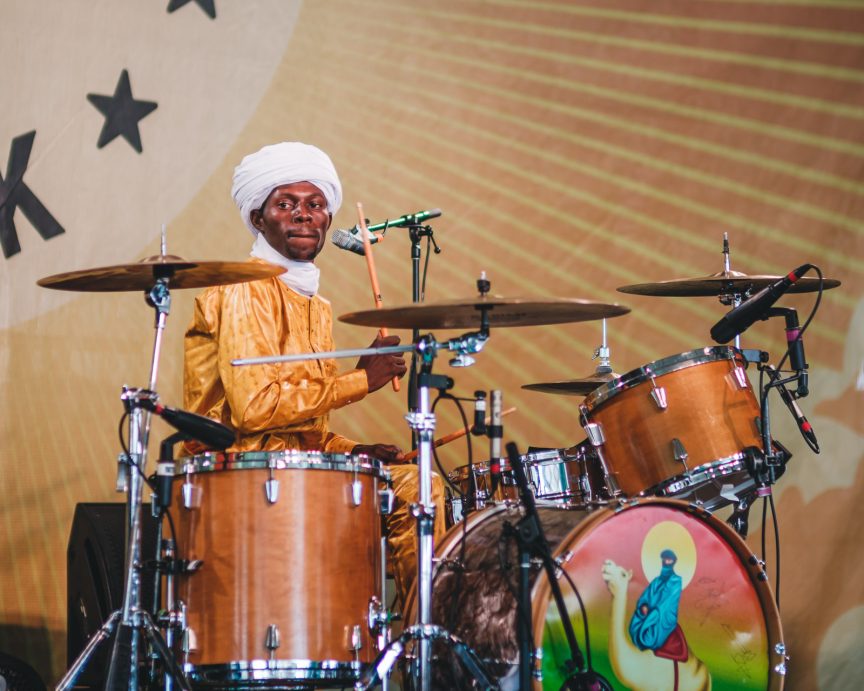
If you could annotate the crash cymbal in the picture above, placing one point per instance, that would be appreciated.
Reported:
(142, 275)
(573, 387)
(723, 283)
(465, 314)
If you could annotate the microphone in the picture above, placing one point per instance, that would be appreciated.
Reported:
(795, 346)
(352, 240)
(803, 424)
(205, 430)
(479, 427)
(754, 308)
(496, 432)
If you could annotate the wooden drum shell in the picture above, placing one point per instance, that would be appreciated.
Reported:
(308, 563)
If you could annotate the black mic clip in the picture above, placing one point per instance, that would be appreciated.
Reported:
(795, 348)
(478, 429)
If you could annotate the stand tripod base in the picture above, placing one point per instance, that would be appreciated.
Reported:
(383, 664)
(124, 652)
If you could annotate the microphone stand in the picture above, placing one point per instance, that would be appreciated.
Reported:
(416, 232)
(531, 542)
(128, 622)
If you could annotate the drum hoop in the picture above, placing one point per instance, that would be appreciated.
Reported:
(658, 368)
(751, 563)
(280, 460)
(706, 472)
(275, 670)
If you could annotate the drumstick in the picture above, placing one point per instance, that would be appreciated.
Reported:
(373, 276)
(411, 455)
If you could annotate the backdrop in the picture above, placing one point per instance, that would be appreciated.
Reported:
(573, 146)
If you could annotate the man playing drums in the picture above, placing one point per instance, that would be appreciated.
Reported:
(287, 194)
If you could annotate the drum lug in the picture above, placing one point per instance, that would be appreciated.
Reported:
(356, 638)
(594, 430)
(191, 495)
(385, 500)
(740, 377)
(271, 489)
(271, 640)
(658, 393)
(356, 490)
(679, 452)
(189, 642)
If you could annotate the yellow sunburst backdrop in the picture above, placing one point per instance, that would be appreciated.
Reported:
(574, 147)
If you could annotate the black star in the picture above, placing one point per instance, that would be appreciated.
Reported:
(209, 6)
(122, 113)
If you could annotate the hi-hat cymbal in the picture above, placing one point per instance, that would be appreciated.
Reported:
(723, 283)
(143, 275)
(573, 387)
(466, 314)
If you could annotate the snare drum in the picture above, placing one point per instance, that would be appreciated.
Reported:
(284, 554)
(677, 426)
(572, 477)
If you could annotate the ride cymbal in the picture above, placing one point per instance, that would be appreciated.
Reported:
(466, 314)
(573, 387)
(143, 275)
(723, 283)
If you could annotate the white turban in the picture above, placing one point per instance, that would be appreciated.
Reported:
(283, 164)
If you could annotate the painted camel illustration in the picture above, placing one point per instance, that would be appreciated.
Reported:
(642, 670)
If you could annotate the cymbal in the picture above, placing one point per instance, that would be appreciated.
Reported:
(465, 314)
(142, 275)
(573, 387)
(723, 283)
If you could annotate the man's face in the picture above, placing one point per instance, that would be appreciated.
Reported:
(294, 220)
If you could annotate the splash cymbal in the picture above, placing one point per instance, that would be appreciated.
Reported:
(466, 314)
(573, 387)
(143, 275)
(723, 283)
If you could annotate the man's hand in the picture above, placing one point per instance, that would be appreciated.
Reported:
(386, 453)
(380, 369)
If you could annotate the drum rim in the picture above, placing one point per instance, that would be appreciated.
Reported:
(658, 368)
(541, 592)
(265, 670)
(289, 459)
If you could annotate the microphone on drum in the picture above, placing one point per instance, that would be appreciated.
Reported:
(478, 429)
(352, 238)
(200, 428)
(795, 346)
(495, 432)
(755, 307)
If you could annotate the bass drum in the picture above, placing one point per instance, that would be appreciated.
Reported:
(674, 599)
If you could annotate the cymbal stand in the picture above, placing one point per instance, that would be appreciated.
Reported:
(132, 619)
(730, 299)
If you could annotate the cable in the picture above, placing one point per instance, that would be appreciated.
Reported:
(809, 317)
(575, 590)
(777, 551)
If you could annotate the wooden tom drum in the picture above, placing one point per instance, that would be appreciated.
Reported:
(678, 426)
(289, 545)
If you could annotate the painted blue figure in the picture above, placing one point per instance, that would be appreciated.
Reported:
(656, 615)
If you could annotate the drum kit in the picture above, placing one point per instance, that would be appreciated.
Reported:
(273, 572)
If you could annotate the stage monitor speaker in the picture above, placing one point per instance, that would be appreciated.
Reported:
(16, 675)
(95, 574)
